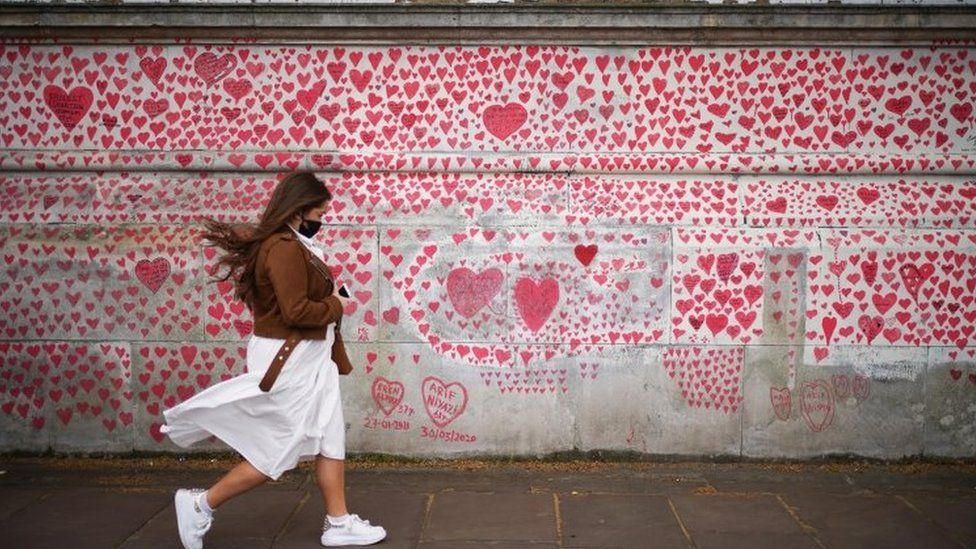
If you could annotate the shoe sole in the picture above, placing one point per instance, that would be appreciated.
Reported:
(354, 541)
(183, 500)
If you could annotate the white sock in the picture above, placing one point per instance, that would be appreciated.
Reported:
(202, 503)
(337, 521)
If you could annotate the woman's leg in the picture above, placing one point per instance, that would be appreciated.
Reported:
(341, 528)
(330, 474)
(238, 480)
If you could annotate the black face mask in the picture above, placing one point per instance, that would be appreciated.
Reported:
(308, 228)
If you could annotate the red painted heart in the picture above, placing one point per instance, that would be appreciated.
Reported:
(504, 120)
(387, 394)
(914, 276)
(585, 254)
(781, 401)
(871, 326)
(153, 273)
(536, 301)
(817, 405)
(69, 108)
(469, 292)
(212, 68)
(444, 402)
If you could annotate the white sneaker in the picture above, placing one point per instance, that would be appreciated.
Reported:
(192, 522)
(355, 531)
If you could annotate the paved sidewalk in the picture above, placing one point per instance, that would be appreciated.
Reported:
(76, 503)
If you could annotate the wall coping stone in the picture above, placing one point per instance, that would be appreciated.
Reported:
(671, 24)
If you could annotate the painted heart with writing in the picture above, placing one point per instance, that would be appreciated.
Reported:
(387, 394)
(444, 402)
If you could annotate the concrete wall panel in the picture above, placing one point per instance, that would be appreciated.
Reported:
(664, 249)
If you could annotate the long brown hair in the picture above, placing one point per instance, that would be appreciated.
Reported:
(295, 194)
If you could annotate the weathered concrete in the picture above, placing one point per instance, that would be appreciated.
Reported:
(762, 251)
(950, 428)
(800, 407)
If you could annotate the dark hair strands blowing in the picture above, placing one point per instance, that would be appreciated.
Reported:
(295, 194)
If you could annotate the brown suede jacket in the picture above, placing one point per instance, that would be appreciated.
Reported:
(291, 294)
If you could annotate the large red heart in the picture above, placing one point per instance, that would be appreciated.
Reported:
(961, 111)
(868, 195)
(716, 323)
(536, 301)
(828, 202)
(69, 108)
(504, 120)
(212, 68)
(884, 302)
(898, 105)
(469, 292)
(153, 68)
(307, 98)
(914, 277)
(777, 205)
(871, 326)
(153, 272)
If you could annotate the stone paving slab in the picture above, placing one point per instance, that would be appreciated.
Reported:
(485, 545)
(106, 518)
(14, 499)
(934, 482)
(98, 504)
(773, 481)
(754, 540)
(843, 522)
(956, 516)
(467, 516)
(733, 514)
(621, 522)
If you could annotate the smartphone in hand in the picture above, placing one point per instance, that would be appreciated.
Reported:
(343, 291)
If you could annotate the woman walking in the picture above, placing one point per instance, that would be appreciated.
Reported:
(287, 407)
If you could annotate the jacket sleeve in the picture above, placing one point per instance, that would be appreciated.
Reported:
(289, 278)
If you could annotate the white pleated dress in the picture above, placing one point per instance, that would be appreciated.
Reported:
(299, 418)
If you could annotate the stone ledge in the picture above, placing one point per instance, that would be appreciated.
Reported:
(487, 162)
(675, 24)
